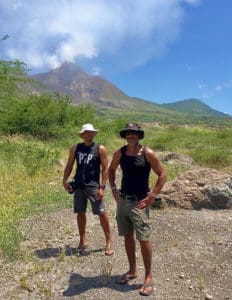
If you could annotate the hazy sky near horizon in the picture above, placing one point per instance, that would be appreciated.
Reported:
(161, 51)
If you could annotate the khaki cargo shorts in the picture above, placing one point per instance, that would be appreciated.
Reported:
(129, 218)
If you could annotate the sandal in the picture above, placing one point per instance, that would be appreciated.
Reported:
(125, 278)
(146, 289)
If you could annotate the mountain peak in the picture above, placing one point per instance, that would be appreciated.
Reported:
(70, 79)
(194, 106)
(68, 67)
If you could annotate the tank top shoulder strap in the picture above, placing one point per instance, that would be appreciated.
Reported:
(77, 147)
(144, 152)
(96, 146)
(123, 149)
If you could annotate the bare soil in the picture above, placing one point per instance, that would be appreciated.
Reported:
(192, 258)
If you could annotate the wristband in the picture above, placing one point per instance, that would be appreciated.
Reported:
(113, 188)
(102, 187)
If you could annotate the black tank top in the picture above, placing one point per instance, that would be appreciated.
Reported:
(135, 174)
(88, 165)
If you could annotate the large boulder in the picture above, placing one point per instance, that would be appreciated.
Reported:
(220, 194)
(177, 158)
(198, 188)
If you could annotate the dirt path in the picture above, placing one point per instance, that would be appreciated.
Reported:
(192, 259)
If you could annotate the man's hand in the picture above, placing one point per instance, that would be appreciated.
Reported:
(100, 193)
(146, 202)
(67, 187)
(115, 193)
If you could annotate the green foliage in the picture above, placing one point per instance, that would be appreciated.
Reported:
(168, 117)
(193, 106)
(43, 116)
(12, 73)
(215, 158)
(174, 170)
(31, 156)
(27, 186)
(10, 236)
(109, 128)
(207, 147)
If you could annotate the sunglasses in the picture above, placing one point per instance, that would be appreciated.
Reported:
(131, 132)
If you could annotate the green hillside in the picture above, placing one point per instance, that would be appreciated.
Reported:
(78, 88)
(193, 106)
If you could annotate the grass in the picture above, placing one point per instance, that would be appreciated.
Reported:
(202, 281)
(208, 147)
(26, 187)
(105, 273)
(31, 174)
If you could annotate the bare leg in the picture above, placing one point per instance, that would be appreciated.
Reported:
(81, 223)
(146, 250)
(130, 251)
(130, 246)
(104, 220)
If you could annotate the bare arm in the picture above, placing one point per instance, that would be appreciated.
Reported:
(69, 167)
(112, 173)
(104, 173)
(104, 164)
(158, 169)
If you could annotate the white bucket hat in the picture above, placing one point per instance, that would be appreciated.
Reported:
(87, 127)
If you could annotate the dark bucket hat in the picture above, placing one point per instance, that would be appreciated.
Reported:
(132, 127)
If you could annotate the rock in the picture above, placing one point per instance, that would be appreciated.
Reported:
(220, 194)
(198, 188)
(228, 182)
(208, 297)
(173, 158)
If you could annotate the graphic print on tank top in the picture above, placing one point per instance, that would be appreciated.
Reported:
(88, 165)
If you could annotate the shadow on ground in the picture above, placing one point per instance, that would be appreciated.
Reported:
(79, 284)
(67, 251)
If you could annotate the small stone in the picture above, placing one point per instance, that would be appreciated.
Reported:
(208, 297)
(191, 287)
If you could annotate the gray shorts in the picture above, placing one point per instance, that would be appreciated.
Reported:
(81, 197)
(129, 218)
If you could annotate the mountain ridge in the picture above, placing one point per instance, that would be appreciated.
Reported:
(82, 87)
(70, 79)
(193, 105)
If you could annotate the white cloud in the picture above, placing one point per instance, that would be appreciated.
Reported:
(47, 33)
(218, 88)
(222, 86)
(194, 2)
(96, 71)
(202, 85)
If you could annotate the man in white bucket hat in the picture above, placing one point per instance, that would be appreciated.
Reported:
(89, 183)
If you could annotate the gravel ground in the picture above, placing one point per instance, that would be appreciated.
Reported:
(192, 258)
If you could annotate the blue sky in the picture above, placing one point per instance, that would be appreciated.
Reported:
(159, 50)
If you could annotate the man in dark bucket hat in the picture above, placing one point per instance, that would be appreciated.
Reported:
(134, 128)
(134, 199)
